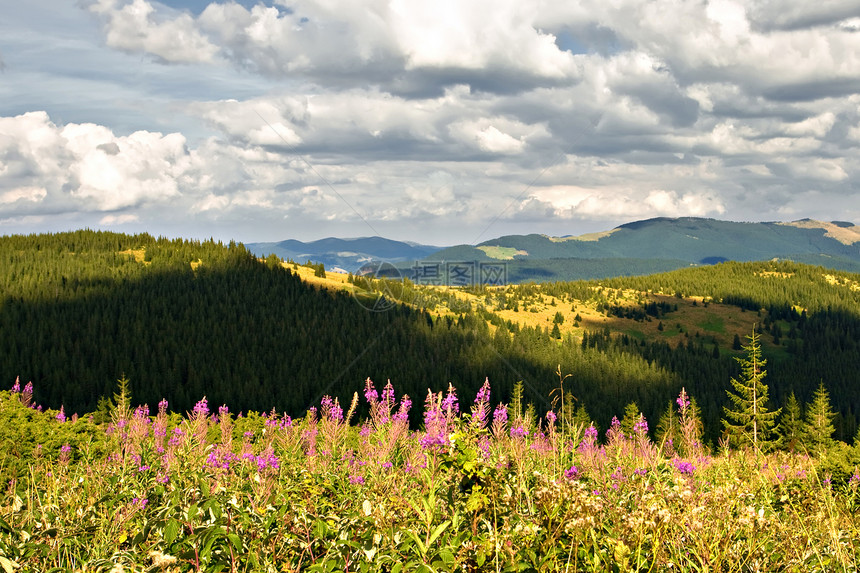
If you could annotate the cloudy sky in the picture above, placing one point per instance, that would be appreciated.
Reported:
(439, 121)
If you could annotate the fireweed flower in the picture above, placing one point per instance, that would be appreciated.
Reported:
(572, 472)
(356, 480)
(519, 432)
(61, 415)
(683, 401)
(450, 405)
(683, 467)
(388, 394)
(65, 453)
(500, 421)
(27, 395)
(854, 481)
(402, 414)
(589, 439)
(641, 426)
(16, 387)
(481, 408)
(370, 393)
(162, 407)
(331, 409)
(201, 409)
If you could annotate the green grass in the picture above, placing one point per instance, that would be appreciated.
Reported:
(713, 323)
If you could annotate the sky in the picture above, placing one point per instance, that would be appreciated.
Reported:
(436, 121)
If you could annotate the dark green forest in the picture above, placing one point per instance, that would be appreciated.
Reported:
(192, 318)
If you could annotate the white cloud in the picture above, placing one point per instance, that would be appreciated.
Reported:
(123, 219)
(137, 27)
(25, 194)
(282, 120)
(626, 203)
(69, 165)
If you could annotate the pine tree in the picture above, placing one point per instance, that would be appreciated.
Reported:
(667, 427)
(818, 426)
(748, 420)
(631, 416)
(790, 428)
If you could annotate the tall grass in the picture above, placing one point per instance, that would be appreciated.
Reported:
(475, 490)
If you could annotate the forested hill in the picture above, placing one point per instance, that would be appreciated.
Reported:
(186, 319)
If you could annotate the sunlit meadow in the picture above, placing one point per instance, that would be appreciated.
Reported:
(478, 487)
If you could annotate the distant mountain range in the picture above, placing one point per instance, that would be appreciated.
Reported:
(346, 255)
(640, 247)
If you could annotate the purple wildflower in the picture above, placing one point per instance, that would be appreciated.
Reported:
(551, 417)
(500, 415)
(450, 405)
(370, 393)
(683, 401)
(388, 393)
(402, 414)
(331, 409)
(17, 386)
(27, 395)
(641, 426)
(353, 479)
(61, 415)
(519, 432)
(684, 467)
(572, 472)
(201, 409)
(162, 407)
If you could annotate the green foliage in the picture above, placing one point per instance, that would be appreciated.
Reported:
(631, 416)
(818, 424)
(749, 422)
(790, 428)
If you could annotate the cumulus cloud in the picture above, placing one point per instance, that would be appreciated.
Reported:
(137, 27)
(86, 165)
(396, 112)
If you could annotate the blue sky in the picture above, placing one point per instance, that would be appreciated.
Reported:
(440, 122)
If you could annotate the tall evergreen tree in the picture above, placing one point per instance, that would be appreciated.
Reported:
(667, 427)
(818, 426)
(630, 418)
(749, 422)
(790, 428)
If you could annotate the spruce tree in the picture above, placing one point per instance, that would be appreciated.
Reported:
(749, 422)
(818, 426)
(667, 427)
(790, 428)
(631, 416)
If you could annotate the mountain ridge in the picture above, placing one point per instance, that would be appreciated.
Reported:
(658, 244)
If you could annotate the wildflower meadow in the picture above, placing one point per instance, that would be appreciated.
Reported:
(477, 487)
